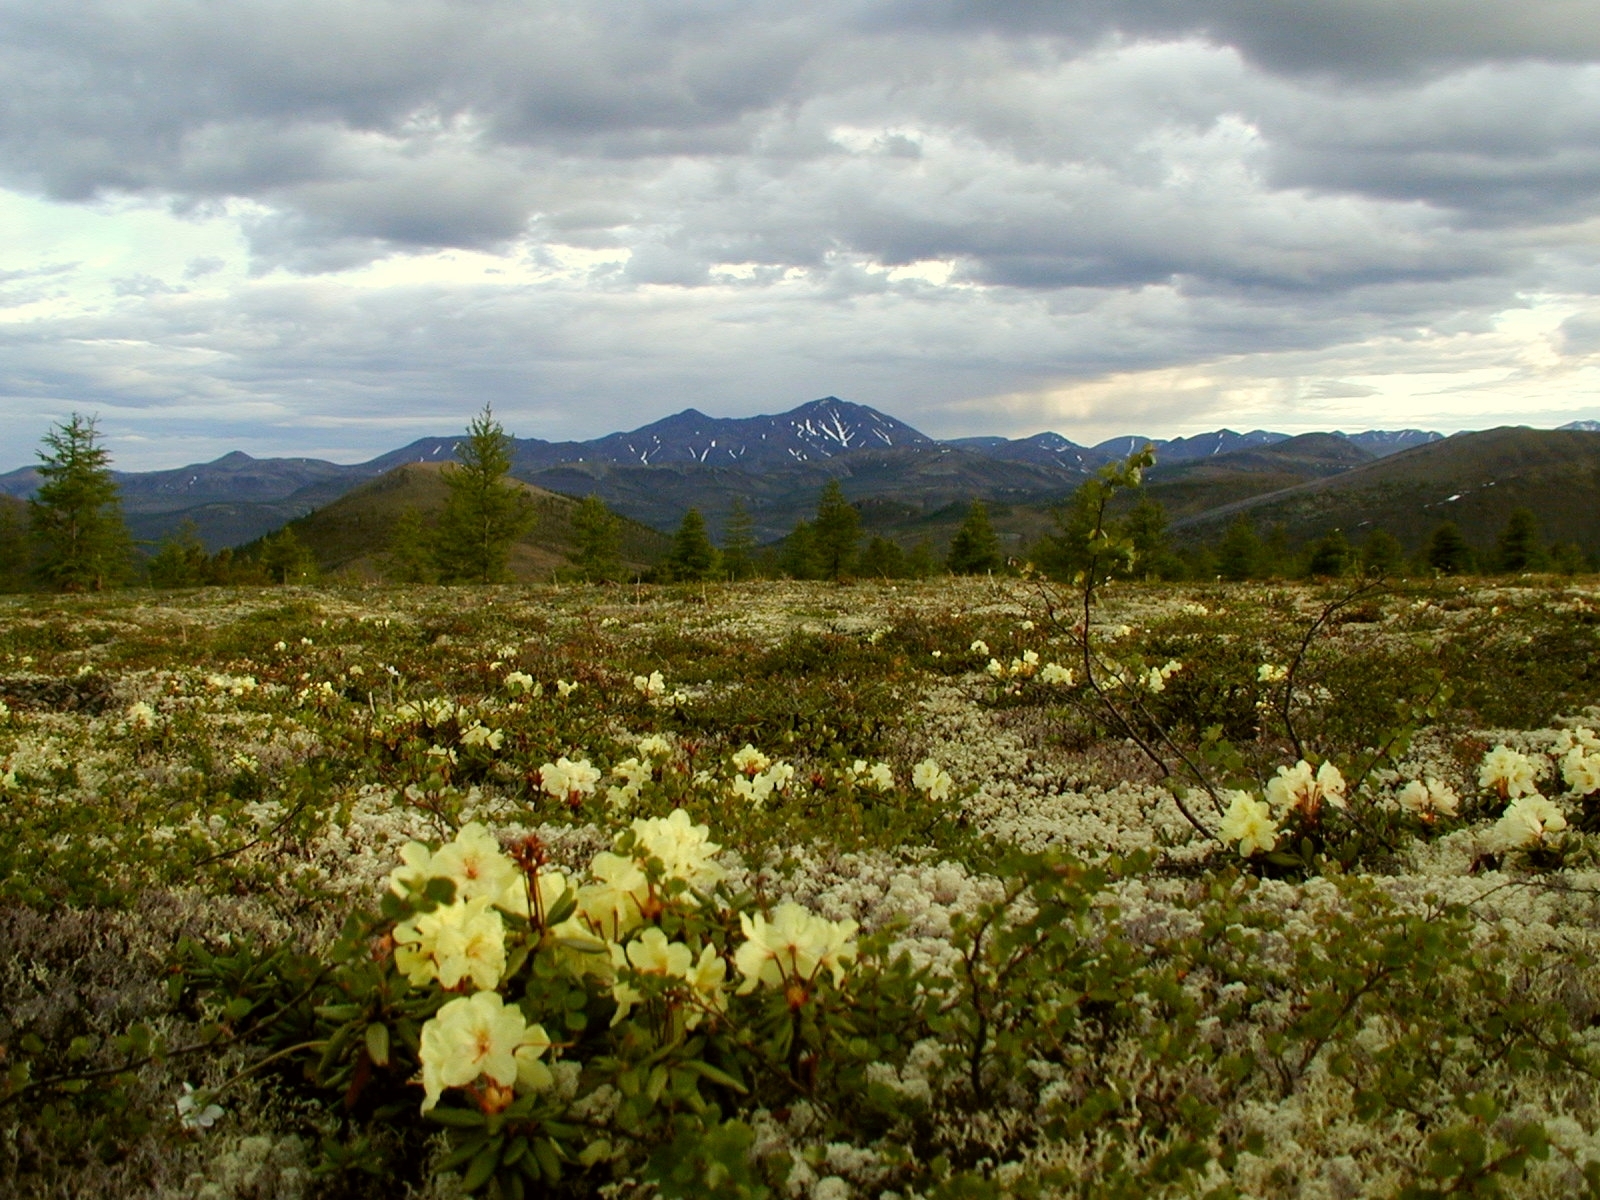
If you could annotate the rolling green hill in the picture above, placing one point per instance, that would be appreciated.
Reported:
(1473, 479)
(350, 537)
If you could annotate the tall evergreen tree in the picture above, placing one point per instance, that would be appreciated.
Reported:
(598, 555)
(181, 561)
(1065, 553)
(1448, 552)
(882, 559)
(920, 562)
(286, 559)
(1239, 556)
(837, 532)
(14, 554)
(1381, 554)
(412, 553)
(798, 558)
(693, 557)
(83, 544)
(975, 549)
(1152, 551)
(1519, 547)
(485, 514)
(1330, 557)
(739, 542)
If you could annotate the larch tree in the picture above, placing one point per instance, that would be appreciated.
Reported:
(739, 542)
(693, 557)
(598, 553)
(485, 514)
(976, 548)
(836, 532)
(76, 517)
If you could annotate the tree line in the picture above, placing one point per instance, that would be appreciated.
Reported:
(76, 540)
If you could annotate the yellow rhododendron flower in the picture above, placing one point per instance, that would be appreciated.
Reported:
(478, 1036)
(1248, 822)
(1298, 788)
(475, 863)
(685, 849)
(792, 947)
(455, 942)
(1509, 772)
(611, 905)
(1428, 797)
(1526, 822)
(927, 776)
(750, 761)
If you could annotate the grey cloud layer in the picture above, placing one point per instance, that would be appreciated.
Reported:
(1128, 183)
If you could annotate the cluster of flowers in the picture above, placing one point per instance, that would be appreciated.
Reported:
(1255, 824)
(1529, 816)
(478, 1042)
(653, 687)
(757, 777)
(1526, 822)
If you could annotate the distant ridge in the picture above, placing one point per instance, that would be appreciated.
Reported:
(775, 463)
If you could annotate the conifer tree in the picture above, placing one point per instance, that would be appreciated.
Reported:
(1239, 556)
(739, 542)
(1381, 554)
(883, 559)
(598, 554)
(412, 553)
(1448, 552)
(1330, 556)
(975, 549)
(181, 561)
(798, 559)
(485, 514)
(83, 544)
(286, 559)
(1519, 547)
(836, 531)
(693, 557)
(1152, 552)
(13, 548)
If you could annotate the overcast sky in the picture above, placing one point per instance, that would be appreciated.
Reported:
(326, 227)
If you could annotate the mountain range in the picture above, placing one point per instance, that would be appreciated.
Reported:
(655, 473)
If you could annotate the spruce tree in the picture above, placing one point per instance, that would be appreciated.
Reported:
(1064, 553)
(837, 531)
(412, 555)
(883, 559)
(181, 561)
(693, 557)
(597, 556)
(485, 514)
(286, 559)
(1519, 547)
(1152, 552)
(739, 542)
(975, 549)
(83, 544)
(1381, 554)
(1330, 557)
(13, 548)
(1240, 554)
(1448, 552)
(798, 558)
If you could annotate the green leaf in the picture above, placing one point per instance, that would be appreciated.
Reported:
(378, 1044)
(458, 1118)
(482, 1166)
(706, 1071)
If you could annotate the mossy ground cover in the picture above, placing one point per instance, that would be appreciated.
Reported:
(1044, 979)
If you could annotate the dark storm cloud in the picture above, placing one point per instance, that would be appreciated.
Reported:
(774, 190)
